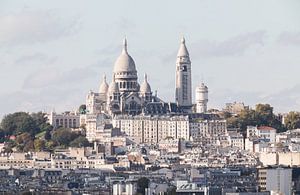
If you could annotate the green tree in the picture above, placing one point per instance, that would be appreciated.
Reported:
(2, 136)
(82, 109)
(292, 120)
(262, 116)
(47, 135)
(41, 122)
(39, 144)
(29, 146)
(25, 127)
(39, 118)
(226, 115)
(49, 145)
(80, 141)
(64, 136)
(19, 122)
(24, 142)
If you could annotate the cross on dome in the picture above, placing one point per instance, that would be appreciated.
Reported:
(183, 40)
(124, 45)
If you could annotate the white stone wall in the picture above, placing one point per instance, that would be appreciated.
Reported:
(183, 78)
(67, 120)
(201, 98)
(153, 129)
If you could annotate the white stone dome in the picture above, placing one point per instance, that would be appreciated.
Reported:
(145, 87)
(124, 62)
(104, 86)
(113, 86)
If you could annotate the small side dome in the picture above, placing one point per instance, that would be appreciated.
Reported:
(113, 87)
(104, 86)
(145, 87)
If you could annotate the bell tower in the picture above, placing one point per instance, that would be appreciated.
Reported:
(183, 94)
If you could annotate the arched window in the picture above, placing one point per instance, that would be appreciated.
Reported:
(57, 122)
(74, 123)
(66, 123)
(70, 123)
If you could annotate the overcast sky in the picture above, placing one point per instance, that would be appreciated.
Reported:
(53, 52)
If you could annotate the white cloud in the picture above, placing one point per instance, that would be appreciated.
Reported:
(289, 38)
(39, 59)
(54, 77)
(233, 46)
(29, 27)
(42, 100)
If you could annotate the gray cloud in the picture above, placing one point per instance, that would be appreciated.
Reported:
(125, 24)
(234, 46)
(29, 27)
(35, 59)
(289, 38)
(287, 99)
(42, 100)
(55, 77)
(111, 50)
(219, 97)
(51, 88)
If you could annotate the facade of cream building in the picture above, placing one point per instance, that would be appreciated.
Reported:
(72, 158)
(208, 127)
(280, 158)
(66, 120)
(152, 129)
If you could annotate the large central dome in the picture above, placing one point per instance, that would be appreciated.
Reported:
(124, 63)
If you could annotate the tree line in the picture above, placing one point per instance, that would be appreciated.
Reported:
(262, 115)
(25, 132)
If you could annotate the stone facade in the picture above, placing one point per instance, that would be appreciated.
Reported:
(183, 94)
(152, 129)
(66, 120)
(124, 95)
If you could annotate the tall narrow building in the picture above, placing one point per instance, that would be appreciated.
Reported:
(183, 94)
(201, 98)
